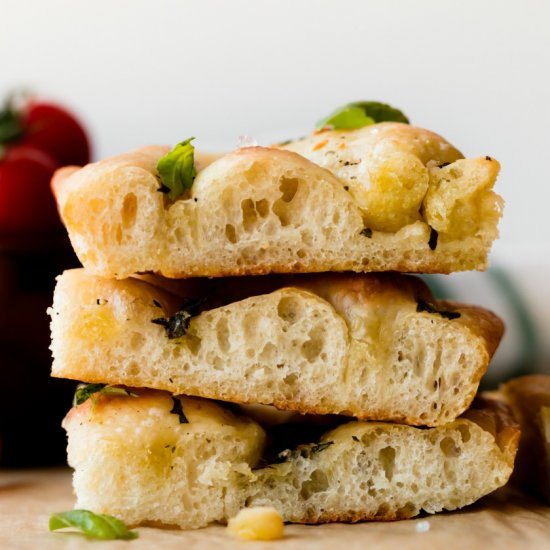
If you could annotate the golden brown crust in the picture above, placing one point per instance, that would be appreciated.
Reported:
(495, 416)
(348, 296)
(178, 241)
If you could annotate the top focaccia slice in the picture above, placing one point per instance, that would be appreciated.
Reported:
(396, 198)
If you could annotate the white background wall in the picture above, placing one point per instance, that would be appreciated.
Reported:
(476, 71)
(145, 71)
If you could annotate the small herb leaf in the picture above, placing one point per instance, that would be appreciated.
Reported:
(178, 409)
(94, 525)
(366, 232)
(362, 113)
(429, 307)
(177, 169)
(89, 391)
(321, 447)
(177, 325)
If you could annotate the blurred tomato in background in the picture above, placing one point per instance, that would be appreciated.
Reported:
(36, 138)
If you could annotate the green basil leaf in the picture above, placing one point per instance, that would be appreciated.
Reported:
(94, 525)
(177, 325)
(177, 169)
(362, 113)
(84, 392)
(347, 118)
(88, 391)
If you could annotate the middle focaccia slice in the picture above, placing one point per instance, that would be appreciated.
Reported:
(369, 346)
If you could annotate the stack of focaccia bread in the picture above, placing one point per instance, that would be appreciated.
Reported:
(238, 348)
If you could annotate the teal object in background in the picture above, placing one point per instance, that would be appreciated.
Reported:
(521, 350)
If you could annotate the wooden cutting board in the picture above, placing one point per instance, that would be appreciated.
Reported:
(504, 520)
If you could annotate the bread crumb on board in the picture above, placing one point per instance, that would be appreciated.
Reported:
(258, 523)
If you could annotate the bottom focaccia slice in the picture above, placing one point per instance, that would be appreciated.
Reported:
(145, 460)
(529, 398)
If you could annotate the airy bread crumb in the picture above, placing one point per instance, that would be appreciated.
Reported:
(264, 210)
(329, 344)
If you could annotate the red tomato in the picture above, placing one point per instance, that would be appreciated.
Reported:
(35, 139)
(54, 130)
(26, 202)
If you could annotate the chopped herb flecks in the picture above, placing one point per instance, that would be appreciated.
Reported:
(321, 446)
(366, 232)
(177, 325)
(90, 391)
(429, 307)
(178, 409)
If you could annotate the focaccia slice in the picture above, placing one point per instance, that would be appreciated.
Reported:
(134, 459)
(260, 210)
(368, 346)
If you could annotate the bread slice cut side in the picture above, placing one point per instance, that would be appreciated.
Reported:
(354, 345)
(133, 459)
(261, 210)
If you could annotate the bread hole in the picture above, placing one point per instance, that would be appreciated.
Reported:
(317, 483)
(464, 431)
(250, 324)
(382, 510)
(218, 363)
(118, 234)
(268, 352)
(414, 488)
(288, 188)
(450, 473)
(250, 215)
(129, 209)
(222, 335)
(449, 447)
(407, 510)
(336, 217)
(133, 369)
(290, 379)
(262, 207)
(288, 309)
(307, 237)
(301, 253)
(193, 343)
(311, 349)
(230, 233)
(386, 456)
(137, 340)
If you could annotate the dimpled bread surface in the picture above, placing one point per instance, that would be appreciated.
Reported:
(347, 344)
(393, 198)
(134, 459)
